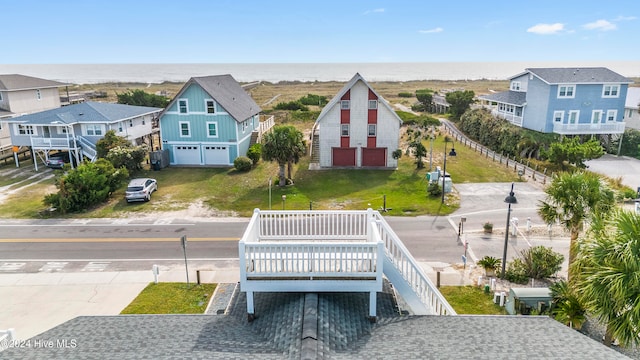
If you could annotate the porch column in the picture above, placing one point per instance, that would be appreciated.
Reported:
(372, 306)
(250, 309)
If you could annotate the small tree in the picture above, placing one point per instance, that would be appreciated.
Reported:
(110, 141)
(419, 151)
(284, 144)
(129, 157)
(459, 102)
(255, 153)
(425, 97)
(572, 151)
(242, 163)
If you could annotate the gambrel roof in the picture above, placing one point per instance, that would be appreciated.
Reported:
(87, 112)
(227, 92)
(575, 75)
(15, 82)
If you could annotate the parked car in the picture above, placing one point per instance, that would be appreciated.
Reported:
(140, 189)
(57, 160)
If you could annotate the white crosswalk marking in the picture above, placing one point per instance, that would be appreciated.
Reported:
(11, 266)
(96, 266)
(53, 266)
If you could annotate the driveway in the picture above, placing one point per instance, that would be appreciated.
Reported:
(624, 167)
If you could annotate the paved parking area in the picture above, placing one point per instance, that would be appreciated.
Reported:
(613, 166)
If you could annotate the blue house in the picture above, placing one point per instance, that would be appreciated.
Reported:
(566, 101)
(210, 122)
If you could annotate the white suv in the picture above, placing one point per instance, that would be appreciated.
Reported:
(140, 189)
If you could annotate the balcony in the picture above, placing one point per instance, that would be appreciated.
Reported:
(600, 128)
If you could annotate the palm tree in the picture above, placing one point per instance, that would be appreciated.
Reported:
(566, 306)
(285, 145)
(608, 280)
(572, 199)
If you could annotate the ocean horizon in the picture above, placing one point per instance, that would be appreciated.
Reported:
(304, 72)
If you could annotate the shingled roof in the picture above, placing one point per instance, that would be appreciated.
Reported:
(15, 82)
(342, 331)
(87, 112)
(578, 75)
(517, 98)
(227, 92)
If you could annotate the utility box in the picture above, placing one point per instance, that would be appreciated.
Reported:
(448, 184)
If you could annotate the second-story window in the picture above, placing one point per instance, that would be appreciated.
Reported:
(515, 85)
(610, 91)
(566, 91)
(373, 104)
(183, 106)
(371, 130)
(344, 104)
(211, 107)
(184, 129)
(344, 130)
(611, 115)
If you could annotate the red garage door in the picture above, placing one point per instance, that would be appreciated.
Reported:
(344, 156)
(374, 156)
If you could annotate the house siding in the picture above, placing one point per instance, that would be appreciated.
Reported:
(387, 132)
(25, 101)
(538, 95)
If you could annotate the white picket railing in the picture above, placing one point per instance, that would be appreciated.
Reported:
(303, 245)
(51, 143)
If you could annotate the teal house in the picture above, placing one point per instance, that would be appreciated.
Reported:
(210, 122)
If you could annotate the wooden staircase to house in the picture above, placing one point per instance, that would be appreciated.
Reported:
(315, 149)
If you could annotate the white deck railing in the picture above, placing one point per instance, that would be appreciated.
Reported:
(267, 124)
(616, 127)
(51, 143)
(330, 245)
(88, 148)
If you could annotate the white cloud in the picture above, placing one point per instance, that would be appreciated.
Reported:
(431, 31)
(379, 10)
(546, 29)
(624, 18)
(602, 25)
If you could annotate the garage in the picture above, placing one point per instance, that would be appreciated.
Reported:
(216, 155)
(374, 156)
(186, 155)
(344, 156)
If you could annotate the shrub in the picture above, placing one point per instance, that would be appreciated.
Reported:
(242, 163)
(489, 262)
(517, 272)
(396, 154)
(434, 189)
(312, 99)
(538, 262)
(291, 105)
(254, 153)
(405, 95)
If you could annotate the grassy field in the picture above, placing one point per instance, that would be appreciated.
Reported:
(471, 300)
(171, 298)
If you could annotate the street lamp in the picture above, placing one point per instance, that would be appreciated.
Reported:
(444, 166)
(284, 198)
(511, 199)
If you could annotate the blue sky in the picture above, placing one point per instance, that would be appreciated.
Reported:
(301, 31)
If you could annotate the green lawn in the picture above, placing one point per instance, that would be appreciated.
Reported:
(236, 193)
(471, 300)
(171, 298)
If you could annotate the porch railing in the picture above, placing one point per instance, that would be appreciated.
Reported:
(599, 128)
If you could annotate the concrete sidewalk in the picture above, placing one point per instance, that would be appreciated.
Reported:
(32, 303)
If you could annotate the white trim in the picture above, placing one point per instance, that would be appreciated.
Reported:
(216, 129)
(555, 113)
(375, 130)
(186, 102)
(344, 127)
(374, 103)
(28, 129)
(577, 117)
(566, 87)
(93, 127)
(61, 130)
(611, 89)
(206, 107)
(345, 104)
(188, 129)
(614, 113)
(515, 86)
(596, 119)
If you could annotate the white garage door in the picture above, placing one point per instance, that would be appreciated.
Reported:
(216, 155)
(187, 155)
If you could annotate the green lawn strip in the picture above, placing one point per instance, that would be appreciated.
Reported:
(238, 193)
(471, 300)
(171, 298)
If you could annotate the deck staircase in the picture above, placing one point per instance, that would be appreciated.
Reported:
(88, 148)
